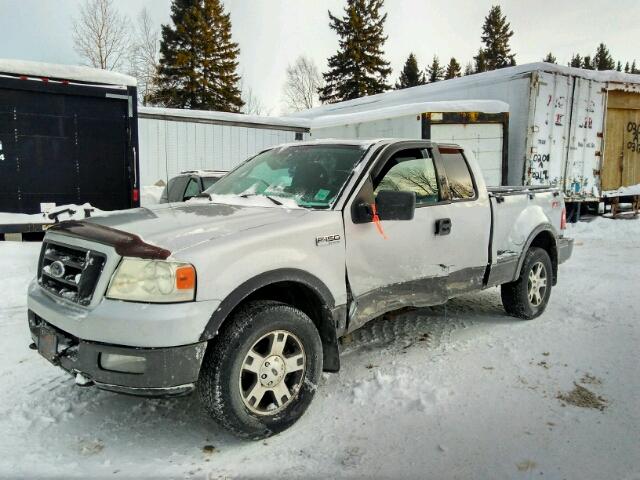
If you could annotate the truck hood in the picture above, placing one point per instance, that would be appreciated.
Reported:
(177, 227)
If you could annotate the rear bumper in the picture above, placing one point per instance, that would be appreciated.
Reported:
(166, 371)
(565, 248)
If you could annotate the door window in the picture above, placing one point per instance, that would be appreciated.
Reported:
(460, 181)
(410, 171)
(193, 189)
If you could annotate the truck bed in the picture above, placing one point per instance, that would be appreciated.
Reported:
(515, 212)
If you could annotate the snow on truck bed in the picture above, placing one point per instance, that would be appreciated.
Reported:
(64, 72)
(456, 391)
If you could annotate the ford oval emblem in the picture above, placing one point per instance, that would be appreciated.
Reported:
(57, 269)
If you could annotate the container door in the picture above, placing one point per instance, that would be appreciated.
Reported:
(548, 140)
(484, 140)
(621, 160)
(581, 179)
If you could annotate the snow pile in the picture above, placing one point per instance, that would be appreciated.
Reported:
(454, 391)
(484, 106)
(56, 71)
(150, 195)
(426, 92)
(167, 113)
(70, 212)
(622, 191)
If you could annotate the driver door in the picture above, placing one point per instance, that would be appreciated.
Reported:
(399, 266)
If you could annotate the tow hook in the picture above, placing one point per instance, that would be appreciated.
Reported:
(83, 381)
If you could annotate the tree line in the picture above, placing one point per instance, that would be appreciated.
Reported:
(193, 61)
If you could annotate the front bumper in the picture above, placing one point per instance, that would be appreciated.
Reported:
(565, 248)
(167, 371)
(125, 323)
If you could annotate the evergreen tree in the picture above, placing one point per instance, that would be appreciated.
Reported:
(550, 58)
(633, 67)
(496, 33)
(576, 61)
(481, 61)
(358, 67)
(198, 59)
(435, 71)
(452, 70)
(619, 66)
(587, 63)
(603, 59)
(411, 75)
(626, 68)
(468, 69)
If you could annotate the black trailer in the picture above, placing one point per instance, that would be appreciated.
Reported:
(68, 135)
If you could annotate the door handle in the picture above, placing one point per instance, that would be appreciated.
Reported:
(443, 226)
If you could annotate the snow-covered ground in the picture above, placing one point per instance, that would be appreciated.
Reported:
(459, 391)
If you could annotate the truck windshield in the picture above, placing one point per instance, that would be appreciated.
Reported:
(312, 175)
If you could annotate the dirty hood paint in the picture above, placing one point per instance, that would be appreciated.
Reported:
(179, 226)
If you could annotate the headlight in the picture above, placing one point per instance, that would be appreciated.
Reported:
(155, 281)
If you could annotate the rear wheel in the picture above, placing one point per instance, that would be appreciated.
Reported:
(259, 375)
(528, 296)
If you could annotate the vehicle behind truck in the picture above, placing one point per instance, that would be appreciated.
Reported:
(243, 293)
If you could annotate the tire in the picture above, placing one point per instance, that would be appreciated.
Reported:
(228, 381)
(516, 295)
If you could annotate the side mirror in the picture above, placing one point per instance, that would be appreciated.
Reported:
(396, 205)
(390, 206)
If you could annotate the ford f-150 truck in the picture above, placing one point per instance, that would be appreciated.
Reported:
(244, 292)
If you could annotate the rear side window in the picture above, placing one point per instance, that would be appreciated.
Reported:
(460, 180)
(175, 189)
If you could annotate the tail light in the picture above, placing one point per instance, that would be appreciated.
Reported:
(135, 194)
(563, 219)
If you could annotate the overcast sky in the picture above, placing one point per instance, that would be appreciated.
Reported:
(272, 33)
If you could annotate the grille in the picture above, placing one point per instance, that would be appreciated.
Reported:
(70, 272)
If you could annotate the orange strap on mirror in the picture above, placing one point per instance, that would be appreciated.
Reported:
(376, 219)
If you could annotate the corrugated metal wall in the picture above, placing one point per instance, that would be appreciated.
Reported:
(168, 147)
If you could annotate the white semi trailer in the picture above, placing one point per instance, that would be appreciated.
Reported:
(480, 126)
(572, 128)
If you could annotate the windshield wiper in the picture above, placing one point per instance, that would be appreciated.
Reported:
(247, 195)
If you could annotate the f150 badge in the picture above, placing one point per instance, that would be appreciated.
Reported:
(327, 240)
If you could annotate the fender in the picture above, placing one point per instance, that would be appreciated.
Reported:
(543, 227)
(330, 313)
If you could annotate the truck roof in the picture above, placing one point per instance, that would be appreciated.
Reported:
(72, 73)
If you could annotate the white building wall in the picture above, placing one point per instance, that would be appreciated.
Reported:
(169, 146)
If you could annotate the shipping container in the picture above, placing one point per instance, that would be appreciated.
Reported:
(480, 126)
(572, 128)
(175, 140)
(68, 135)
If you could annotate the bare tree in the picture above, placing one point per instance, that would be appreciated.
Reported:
(252, 103)
(302, 84)
(143, 56)
(101, 35)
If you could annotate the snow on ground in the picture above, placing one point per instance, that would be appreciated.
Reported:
(458, 391)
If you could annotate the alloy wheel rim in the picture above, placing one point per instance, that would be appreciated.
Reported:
(537, 284)
(272, 372)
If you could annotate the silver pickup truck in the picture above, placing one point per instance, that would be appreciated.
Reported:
(243, 292)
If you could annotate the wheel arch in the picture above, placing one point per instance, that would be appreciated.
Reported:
(297, 288)
(543, 236)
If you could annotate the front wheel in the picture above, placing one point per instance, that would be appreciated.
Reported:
(260, 374)
(528, 296)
